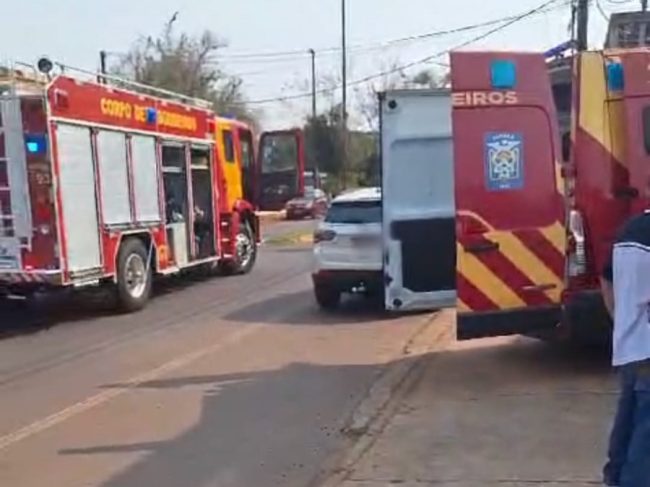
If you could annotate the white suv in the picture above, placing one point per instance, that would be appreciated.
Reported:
(348, 248)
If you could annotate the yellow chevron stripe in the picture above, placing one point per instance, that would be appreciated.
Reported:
(556, 235)
(486, 281)
(461, 306)
(603, 120)
(528, 263)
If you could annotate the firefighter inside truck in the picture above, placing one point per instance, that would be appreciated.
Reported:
(179, 201)
(202, 196)
(175, 191)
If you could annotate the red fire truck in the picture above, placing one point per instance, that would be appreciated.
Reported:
(104, 185)
(504, 195)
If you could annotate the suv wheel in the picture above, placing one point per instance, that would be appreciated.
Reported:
(327, 297)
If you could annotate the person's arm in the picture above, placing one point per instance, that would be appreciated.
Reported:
(607, 287)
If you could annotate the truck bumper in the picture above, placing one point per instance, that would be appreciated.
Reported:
(346, 281)
(26, 282)
(582, 319)
(525, 321)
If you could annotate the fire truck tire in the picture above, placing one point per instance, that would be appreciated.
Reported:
(133, 276)
(245, 253)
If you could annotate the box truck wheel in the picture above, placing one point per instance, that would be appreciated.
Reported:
(133, 275)
(245, 252)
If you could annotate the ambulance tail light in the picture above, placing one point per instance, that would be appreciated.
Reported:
(576, 256)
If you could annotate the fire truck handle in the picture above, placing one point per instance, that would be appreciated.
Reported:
(626, 193)
(481, 247)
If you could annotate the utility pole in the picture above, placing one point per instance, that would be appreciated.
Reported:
(644, 5)
(313, 109)
(344, 97)
(313, 83)
(582, 20)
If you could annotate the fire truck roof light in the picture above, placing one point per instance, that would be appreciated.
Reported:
(615, 77)
(503, 74)
(152, 115)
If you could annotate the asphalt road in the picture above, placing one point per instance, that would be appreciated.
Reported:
(222, 382)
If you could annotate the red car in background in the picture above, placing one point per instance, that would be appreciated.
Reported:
(313, 204)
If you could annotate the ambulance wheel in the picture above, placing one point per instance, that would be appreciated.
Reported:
(245, 253)
(327, 297)
(133, 276)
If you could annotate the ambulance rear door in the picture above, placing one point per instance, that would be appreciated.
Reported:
(418, 200)
(628, 76)
(510, 234)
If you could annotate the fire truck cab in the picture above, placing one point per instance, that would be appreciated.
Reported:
(102, 184)
(507, 191)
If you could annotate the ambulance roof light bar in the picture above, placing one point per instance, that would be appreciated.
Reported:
(161, 92)
(560, 49)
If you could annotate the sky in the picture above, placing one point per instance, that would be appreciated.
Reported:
(74, 31)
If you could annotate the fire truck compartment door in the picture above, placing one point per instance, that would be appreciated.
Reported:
(281, 168)
(78, 199)
(19, 216)
(418, 200)
(510, 236)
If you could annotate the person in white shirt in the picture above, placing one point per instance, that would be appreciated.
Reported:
(626, 291)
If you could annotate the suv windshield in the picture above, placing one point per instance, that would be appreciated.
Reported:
(355, 212)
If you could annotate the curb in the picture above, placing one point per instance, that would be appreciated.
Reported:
(425, 340)
(270, 216)
(375, 411)
(290, 239)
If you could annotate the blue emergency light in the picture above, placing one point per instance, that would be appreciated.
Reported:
(559, 49)
(615, 77)
(36, 144)
(152, 115)
(503, 74)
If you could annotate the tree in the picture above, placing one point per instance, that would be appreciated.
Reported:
(367, 96)
(323, 139)
(430, 79)
(187, 65)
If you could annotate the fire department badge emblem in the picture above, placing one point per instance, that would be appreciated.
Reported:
(504, 161)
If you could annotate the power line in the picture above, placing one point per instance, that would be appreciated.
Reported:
(601, 11)
(300, 53)
(511, 20)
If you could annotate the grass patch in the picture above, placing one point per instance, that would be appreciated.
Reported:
(291, 238)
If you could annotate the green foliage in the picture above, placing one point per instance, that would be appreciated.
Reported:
(187, 65)
(325, 151)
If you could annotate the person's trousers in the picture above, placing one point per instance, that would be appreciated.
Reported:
(629, 448)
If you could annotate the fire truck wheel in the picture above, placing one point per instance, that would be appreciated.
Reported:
(245, 252)
(133, 275)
